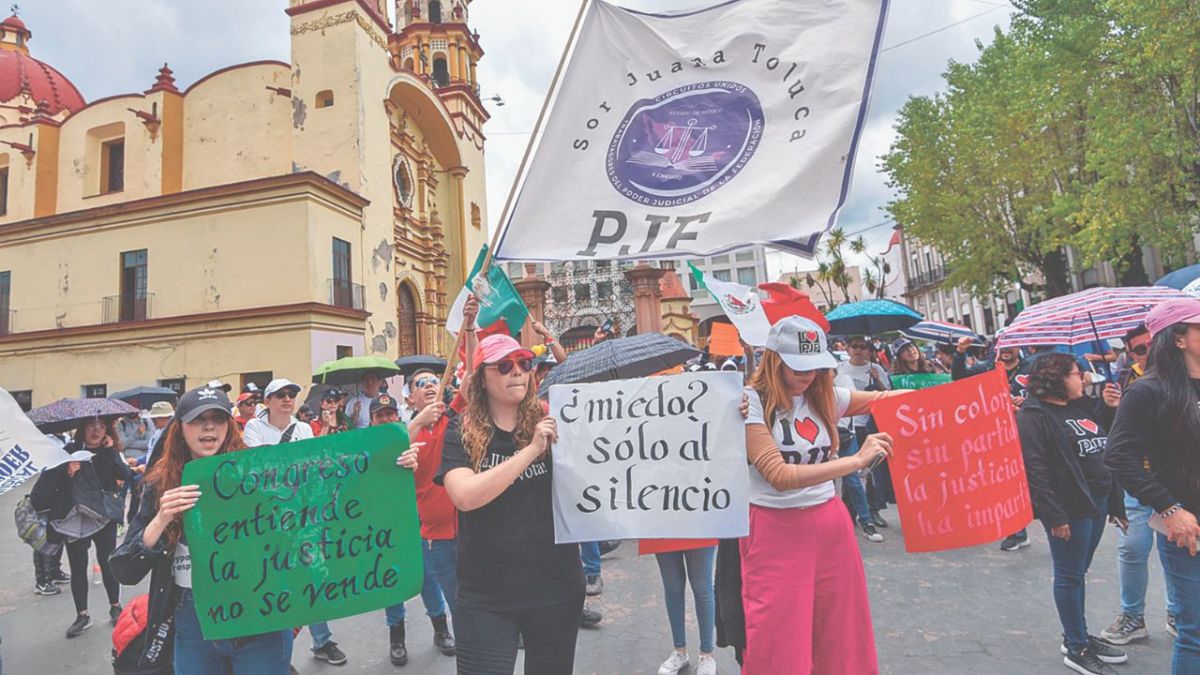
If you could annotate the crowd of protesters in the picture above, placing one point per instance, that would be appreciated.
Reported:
(791, 597)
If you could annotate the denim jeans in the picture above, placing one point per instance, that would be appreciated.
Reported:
(1133, 560)
(852, 484)
(699, 563)
(589, 553)
(440, 587)
(1071, 560)
(268, 654)
(1183, 572)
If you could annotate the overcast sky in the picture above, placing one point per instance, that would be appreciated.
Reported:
(116, 46)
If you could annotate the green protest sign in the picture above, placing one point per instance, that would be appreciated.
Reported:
(919, 380)
(290, 535)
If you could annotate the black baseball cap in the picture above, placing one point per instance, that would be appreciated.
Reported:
(199, 401)
(382, 402)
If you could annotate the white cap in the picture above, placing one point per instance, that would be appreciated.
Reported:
(217, 384)
(278, 384)
(729, 364)
(801, 344)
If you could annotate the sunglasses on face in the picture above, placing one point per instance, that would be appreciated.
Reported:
(1140, 350)
(425, 382)
(284, 394)
(506, 366)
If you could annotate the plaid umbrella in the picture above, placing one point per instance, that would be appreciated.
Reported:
(871, 317)
(352, 369)
(621, 359)
(940, 331)
(1087, 316)
(66, 414)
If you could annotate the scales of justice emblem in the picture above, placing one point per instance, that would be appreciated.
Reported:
(686, 143)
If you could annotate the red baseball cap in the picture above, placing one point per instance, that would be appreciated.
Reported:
(495, 348)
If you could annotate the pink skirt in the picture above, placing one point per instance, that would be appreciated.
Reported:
(805, 594)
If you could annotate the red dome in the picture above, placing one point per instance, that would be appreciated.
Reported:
(45, 83)
(14, 22)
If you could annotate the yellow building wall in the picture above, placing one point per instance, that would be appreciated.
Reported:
(79, 164)
(21, 175)
(215, 352)
(235, 128)
(253, 250)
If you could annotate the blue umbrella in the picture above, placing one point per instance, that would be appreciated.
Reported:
(1180, 278)
(940, 331)
(871, 317)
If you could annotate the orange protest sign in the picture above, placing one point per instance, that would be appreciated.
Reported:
(652, 546)
(723, 340)
(958, 472)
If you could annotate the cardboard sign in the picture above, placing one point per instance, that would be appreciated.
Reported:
(294, 534)
(958, 472)
(723, 340)
(919, 380)
(654, 458)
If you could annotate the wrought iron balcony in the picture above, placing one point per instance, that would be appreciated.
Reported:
(928, 278)
(128, 307)
(342, 293)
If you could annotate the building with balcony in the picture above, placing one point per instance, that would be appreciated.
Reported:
(269, 217)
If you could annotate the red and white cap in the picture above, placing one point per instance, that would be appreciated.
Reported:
(496, 348)
(801, 344)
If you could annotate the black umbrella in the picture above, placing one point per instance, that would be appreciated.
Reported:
(66, 414)
(411, 364)
(144, 397)
(621, 359)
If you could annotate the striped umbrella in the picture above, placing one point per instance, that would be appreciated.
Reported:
(1092, 315)
(940, 331)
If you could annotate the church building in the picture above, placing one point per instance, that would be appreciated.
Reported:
(253, 224)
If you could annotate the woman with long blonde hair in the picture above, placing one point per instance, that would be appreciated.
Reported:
(804, 591)
(513, 580)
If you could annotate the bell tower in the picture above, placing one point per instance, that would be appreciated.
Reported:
(435, 43)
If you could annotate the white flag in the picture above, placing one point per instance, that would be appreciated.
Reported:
(694, 133)
(24, 451)
(741, 304)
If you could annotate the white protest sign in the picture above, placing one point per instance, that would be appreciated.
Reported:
(24, 451)
(653, 458)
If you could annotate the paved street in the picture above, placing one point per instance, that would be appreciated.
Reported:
(978, 611)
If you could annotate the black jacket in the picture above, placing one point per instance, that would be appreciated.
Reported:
(131, 562)
(960, 370)
(1145, 430)
(1057, 485)
(56, 491)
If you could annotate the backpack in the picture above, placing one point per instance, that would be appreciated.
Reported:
(129, 640)
(32, 530)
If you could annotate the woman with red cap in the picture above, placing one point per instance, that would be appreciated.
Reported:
(513, 580)
(1152, 454)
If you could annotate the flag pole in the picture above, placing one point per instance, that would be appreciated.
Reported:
(452, 358)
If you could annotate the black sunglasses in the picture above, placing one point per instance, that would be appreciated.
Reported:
(284, 393)
(425, 382)
(506, 366)
(1140, 350)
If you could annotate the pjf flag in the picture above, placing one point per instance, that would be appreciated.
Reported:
(693, 133)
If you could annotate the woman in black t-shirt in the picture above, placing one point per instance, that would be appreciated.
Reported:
(1063, 438)
(512, 578)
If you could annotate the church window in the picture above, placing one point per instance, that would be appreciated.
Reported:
(112, 166)
(402, 181)
(435, 11)
(324, 99)
(3, 191)
(441, 72)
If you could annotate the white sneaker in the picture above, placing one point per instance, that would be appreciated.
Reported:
(707, 665)
(674, 663)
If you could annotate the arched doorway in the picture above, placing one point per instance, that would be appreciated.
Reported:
(441, 73)
(407, 335)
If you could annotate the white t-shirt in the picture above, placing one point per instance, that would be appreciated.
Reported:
(861, 376)
(181, 566)
(802, 439)
(363, 419)
(260, 432)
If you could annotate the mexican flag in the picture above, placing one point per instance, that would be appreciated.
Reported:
(500, 306)
(751, 314)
